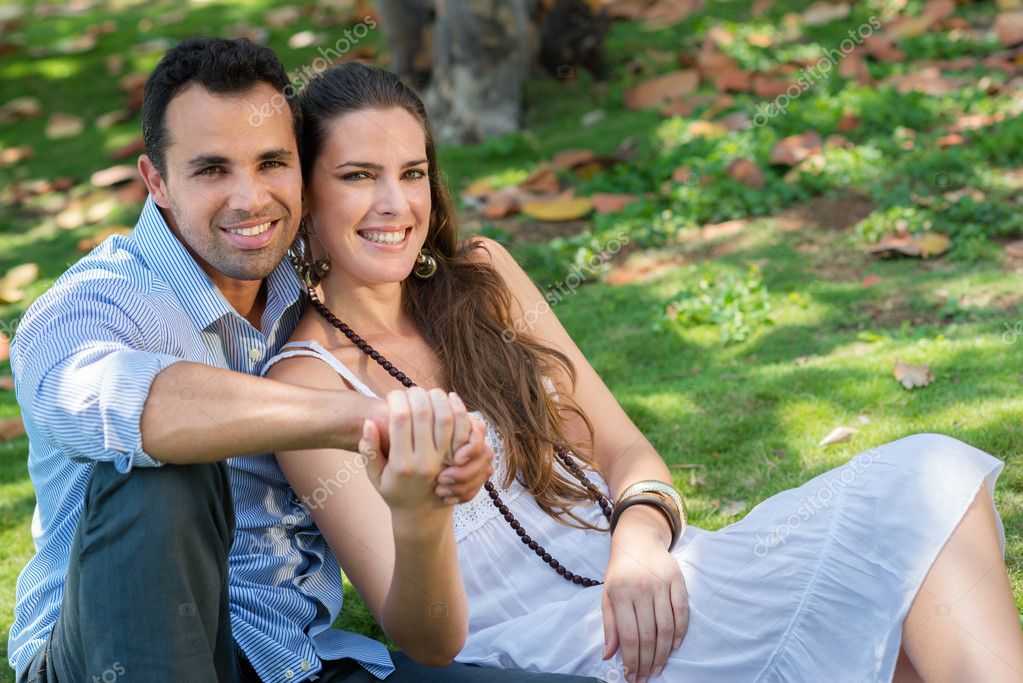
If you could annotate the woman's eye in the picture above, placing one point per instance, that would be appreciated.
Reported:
(415, 174)
(357, 175)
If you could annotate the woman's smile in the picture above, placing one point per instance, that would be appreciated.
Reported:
(391, 239)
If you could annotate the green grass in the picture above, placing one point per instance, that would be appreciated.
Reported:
(751, 412)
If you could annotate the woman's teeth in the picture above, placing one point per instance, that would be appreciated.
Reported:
(254, 230)
(385, 237)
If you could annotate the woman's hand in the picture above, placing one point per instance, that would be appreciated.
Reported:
(434, 430)
(645, 604)
(422, 427)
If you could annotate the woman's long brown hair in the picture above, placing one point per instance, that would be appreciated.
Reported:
(464, 310)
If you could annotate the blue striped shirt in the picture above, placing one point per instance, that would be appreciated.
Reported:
(83, 358)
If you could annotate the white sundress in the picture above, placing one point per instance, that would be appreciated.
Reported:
(812, 585)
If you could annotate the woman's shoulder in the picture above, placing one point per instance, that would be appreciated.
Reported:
(301, 361)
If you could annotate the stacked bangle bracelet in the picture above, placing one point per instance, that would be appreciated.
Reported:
(659, 495)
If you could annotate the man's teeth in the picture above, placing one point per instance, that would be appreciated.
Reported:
(251, 232)
(385, 237)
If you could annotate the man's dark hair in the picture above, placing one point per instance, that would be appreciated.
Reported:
(222, 66)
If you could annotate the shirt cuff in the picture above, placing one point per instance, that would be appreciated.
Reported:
(125, 388)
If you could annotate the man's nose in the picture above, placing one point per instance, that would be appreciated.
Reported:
(248, 194)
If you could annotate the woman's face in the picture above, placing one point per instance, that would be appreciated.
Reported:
(368, 198)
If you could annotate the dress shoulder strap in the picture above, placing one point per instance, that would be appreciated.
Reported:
(313, 349)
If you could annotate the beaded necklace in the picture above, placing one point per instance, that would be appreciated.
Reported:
(605, 504)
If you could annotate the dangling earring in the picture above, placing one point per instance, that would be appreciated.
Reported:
(309, 270)
(426, 265)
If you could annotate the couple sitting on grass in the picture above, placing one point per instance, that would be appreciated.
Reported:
(497, 511)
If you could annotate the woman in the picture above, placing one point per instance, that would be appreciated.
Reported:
(895, 557)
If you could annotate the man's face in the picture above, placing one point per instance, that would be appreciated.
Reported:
(233, 190)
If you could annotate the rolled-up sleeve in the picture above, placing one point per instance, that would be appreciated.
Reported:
(83, 360)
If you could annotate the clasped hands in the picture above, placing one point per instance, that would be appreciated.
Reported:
(433, 452)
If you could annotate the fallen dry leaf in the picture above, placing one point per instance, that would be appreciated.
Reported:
(707, 129)
(929, 81)
(732, 507)
(882, 47)
(1014, 249)
(62, 126)
(20, 108)
(543, 181)
(951, 140)
(912, 376)
(825, 12)
(922, 245)
(502, 203)
(114, 175)
(133, 148)
(662, 89)
(11, 428)
(746, 172)
(282, 16)
(12, 155)
(554, 210)
(112, 118)
(17, 277)
(87, 244)
(793, 149)
(570, 158)
(911, 27)
(665, 13)
(1009, 28)
(606, 202)
(854, 67)
(838, 435)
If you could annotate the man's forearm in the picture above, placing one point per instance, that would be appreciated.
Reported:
(196, 413)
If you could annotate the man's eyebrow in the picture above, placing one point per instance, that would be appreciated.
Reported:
(218, 160)
(208, 160)
(276, 154)
(378, 167)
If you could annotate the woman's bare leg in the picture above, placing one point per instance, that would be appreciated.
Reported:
(963, 625)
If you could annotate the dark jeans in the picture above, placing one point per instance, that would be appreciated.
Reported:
(146, 594)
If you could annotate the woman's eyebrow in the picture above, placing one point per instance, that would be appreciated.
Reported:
(378, 167)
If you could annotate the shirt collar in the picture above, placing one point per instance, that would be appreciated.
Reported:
(203, 302)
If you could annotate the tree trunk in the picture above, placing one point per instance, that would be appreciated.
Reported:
(481, 59)
(409, 25)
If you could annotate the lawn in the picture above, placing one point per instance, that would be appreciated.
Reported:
(738, 319)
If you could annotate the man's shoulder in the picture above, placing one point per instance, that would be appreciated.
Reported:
(116, 264)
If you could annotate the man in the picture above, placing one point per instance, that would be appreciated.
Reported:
(157, 559)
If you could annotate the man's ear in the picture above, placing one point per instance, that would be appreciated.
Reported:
(154, 181)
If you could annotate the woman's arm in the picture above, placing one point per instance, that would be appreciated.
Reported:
(645, 605)
(400, 557)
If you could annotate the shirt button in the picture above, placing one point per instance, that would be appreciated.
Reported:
(289, 674)
(305, 665)
(255, 354)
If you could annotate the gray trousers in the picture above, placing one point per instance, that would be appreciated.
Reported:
(146, 594)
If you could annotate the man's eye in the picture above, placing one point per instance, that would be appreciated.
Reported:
(273, 164)
(211, 170)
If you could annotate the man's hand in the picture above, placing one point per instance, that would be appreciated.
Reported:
(468, 461)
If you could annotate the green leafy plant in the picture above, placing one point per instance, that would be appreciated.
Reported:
(736, 304)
